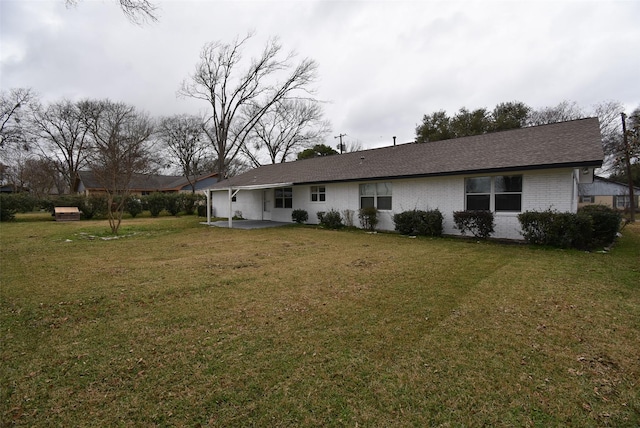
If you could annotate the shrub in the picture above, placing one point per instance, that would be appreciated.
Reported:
(564, 230)
(155, 203)
(418, 222)
(480, 223)
(606, 223)
(133, 206)
(8, 207)
(24, 202)
(368, 218)
(173, 203)
(331, 219)
(189, 202)
(347, 216)
(93, 206)
(299, 216)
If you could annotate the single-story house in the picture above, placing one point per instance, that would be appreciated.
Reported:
(145, 184)
(535, 168)
(607, 192)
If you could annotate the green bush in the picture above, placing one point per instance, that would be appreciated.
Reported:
(189, 202)
(331, 219)
(479, 222)
(299, 216)
(8, 207)
(418, 222)
(155, 203)
(133, 206)
(606, 223)
(94, 206)
(12, 203)
(368, 218)
(556, 229)
(173, 203)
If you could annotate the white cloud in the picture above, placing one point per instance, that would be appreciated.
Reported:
(383, 64)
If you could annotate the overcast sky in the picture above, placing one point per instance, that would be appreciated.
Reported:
(382, 64)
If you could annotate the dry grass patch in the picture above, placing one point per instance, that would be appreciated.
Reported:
(182, 324)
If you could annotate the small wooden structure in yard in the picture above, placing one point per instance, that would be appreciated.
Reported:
(67, 213)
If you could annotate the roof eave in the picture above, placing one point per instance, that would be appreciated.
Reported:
(584, 164)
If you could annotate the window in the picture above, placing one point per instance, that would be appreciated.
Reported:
(376, 195)
(622, 201)
(318, 194)
(500, 193)
(284, 197)
(586, 199)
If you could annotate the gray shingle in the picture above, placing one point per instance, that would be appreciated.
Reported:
(574, 143)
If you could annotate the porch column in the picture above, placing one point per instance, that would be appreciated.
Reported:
(230, 207)
(208, 193)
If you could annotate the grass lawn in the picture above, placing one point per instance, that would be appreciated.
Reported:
(180, 324)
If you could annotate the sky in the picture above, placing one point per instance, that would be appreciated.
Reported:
(383, 65)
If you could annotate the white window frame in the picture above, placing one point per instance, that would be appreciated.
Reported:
(379, 192)
(320, 193)
(283, 197)
(492, 193)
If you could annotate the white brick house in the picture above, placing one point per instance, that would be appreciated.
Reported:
(536, 168)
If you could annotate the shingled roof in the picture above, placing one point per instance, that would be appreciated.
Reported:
(567, 144)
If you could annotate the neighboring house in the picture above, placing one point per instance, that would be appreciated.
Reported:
(606, 192)
(535, 168)
(145, 184)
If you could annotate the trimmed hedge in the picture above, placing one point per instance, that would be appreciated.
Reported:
(418, 222)
(330, 219)
(479, 222)
(592, 227)
(556, 229)
(299, 216)
(606, 223)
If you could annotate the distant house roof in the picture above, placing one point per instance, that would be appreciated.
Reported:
(146, 182)
(602, 186)
(566, 144)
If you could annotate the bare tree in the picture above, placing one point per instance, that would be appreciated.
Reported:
(184, 138)
(608, 114)
(138, 11)
(562, 112)
(12, 109)
(288, 127)
(120, 149)
(62, 128)
(14, 166)
(228, 89)
(42, 176)
(352, 146)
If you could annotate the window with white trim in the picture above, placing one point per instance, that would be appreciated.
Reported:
(283, 197)
(318, 194)
(500, 193)
(623, 201)
(376, 195)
